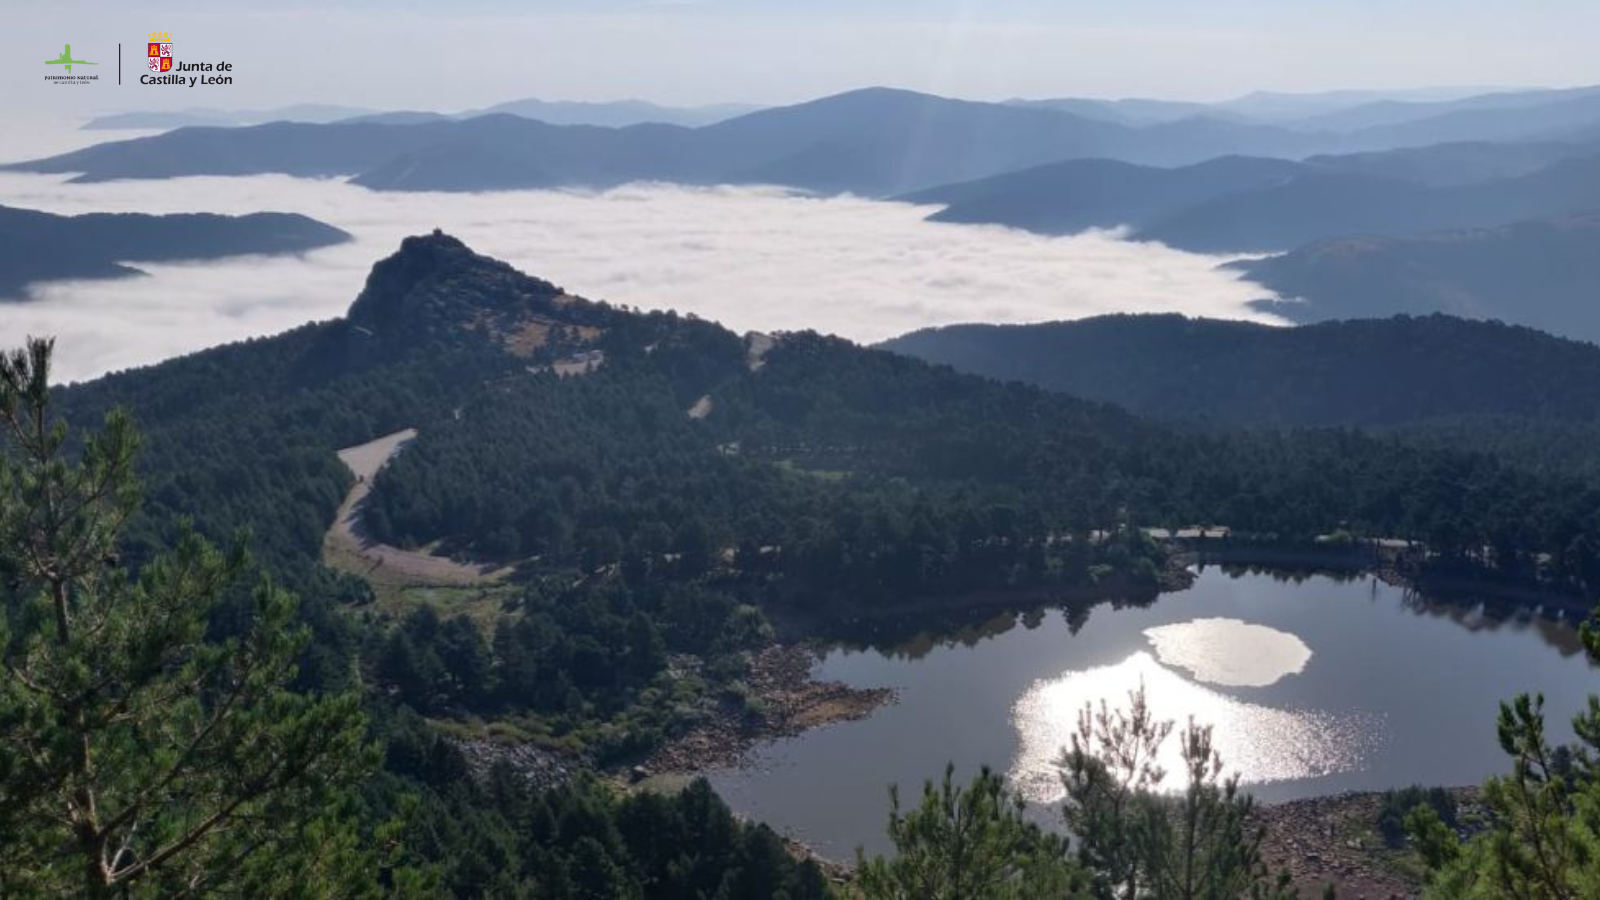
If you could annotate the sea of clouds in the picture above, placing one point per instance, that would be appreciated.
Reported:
(751, 258)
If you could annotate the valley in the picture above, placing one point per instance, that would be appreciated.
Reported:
(678, 451)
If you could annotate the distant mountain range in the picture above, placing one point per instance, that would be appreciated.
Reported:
(1394, 111)
(1240, 204)
(1336, 111)
(1543, 273)
(1369, 118)
(193, 116)
(1480, 204)
(616, 113)
(1369, 372)
(612, 114)
(1283, 106)
(1451, 164)
(38, 246)
(1544, 115)
(1071, 196)
(875, 141)
(1322, 205)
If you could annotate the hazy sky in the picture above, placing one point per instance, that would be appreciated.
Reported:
(411, 54)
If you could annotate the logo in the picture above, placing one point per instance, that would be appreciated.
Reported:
(166, 70)
(66, 62)
(159, 51)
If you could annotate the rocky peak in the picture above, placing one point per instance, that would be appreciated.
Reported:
(435, 286)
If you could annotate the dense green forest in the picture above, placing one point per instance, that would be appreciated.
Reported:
(823, 474)
(1371, 372)
(1435, 381)
(825, 448)
(651, 547)
(867, 473)
(184, 763)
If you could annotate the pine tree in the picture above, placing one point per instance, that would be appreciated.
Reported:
(1140, 843)
(1544, 837)
(142, 756)
(969, 842)
(1109, 772)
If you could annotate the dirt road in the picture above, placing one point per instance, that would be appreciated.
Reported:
(348, 546)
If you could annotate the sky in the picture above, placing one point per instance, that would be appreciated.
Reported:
(471, 53)
(750, 258)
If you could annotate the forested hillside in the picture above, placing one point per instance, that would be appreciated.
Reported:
(1077, 194)
(817, 446)
(1434, 381)
(1540, 273)
(1365, 372)
(38, 246)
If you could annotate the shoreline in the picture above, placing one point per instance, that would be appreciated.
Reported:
(1333, 839)
(1444, 586)
(794, 702)
(1319, 840)
(780, 674)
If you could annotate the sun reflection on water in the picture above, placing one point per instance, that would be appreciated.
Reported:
(1230, 652)
(1260, 743)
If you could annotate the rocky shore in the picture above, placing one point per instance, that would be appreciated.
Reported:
(542, 768)
(780, 679)
(1334, 840)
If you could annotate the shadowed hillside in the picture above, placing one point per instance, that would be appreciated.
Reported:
(38, 246)
(1543, 273)
(1367, 372)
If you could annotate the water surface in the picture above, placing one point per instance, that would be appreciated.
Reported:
(1314, 685)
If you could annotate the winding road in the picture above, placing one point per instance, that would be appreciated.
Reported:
(349, 546)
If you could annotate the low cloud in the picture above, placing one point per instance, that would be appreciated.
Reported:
(751, 258)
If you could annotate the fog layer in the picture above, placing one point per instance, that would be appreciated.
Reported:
(761, 259)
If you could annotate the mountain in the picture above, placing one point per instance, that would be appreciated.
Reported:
(465, 349)
(1393, 111)
(616, 113)
(1322, 205)
(291, 148)
(874, 141)
(1447, 165)
(1244, 204)
(1065, 197)
(183, 118)
(887, 141)
(1325, 112)
(659, 509)
(38, 246)
(1388, 371)
(1549, 120)
(398, 117)
(1130, 111)
(1287, 107)
(1540, 273)
(556, 433)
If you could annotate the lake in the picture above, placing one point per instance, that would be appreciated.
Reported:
(1315, 684)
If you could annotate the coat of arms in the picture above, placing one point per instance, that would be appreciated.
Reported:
(160, 51)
